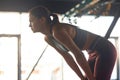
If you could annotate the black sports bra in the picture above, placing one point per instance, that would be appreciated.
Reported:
(80, 37)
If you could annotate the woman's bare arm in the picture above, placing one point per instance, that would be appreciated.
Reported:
(68, 58)
(64, 38)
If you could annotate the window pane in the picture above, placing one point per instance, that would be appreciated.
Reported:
(9, 23)
(8, 58)
(114, 73)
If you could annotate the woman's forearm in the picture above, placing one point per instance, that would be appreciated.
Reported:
(71, 62)
(84, 65)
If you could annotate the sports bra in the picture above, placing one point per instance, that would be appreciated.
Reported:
(79, 39)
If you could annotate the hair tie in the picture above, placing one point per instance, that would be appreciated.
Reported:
(53, 18)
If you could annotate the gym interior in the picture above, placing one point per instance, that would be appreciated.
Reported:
(25, 55)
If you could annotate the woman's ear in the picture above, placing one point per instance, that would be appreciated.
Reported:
(42, 20)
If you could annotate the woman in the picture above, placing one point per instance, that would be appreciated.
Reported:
(65, 37)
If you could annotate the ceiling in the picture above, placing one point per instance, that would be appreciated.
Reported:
(57, 6)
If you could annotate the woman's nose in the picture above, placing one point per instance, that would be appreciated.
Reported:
(30, 25)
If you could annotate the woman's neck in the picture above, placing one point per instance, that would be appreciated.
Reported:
(46, 30)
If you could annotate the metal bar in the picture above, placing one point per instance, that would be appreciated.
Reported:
(116, 17)
(36, 63)
(19, 58)
(9, 35)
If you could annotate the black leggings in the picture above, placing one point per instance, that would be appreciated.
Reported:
(102, 59)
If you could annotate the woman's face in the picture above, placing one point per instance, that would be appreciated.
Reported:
(34, 23)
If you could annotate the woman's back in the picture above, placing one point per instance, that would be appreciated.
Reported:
(82, 38)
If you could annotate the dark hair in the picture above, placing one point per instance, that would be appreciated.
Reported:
(55, 18)
(41, 11)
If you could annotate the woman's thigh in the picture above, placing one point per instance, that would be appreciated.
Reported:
(103, 66)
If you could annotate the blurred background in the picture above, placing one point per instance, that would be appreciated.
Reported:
(23, 54)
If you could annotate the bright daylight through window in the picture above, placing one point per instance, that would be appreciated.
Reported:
(14, 27)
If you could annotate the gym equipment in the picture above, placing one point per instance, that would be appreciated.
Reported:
(36, 62)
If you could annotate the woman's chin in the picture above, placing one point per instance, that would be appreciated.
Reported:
(35, 31)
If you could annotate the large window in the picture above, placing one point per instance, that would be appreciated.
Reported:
(9, 46)
(20, 49)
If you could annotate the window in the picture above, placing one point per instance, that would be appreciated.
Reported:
(20, 49)
(9, 57)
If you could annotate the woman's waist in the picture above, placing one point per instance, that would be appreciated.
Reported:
(96, 42)
(89, 41)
